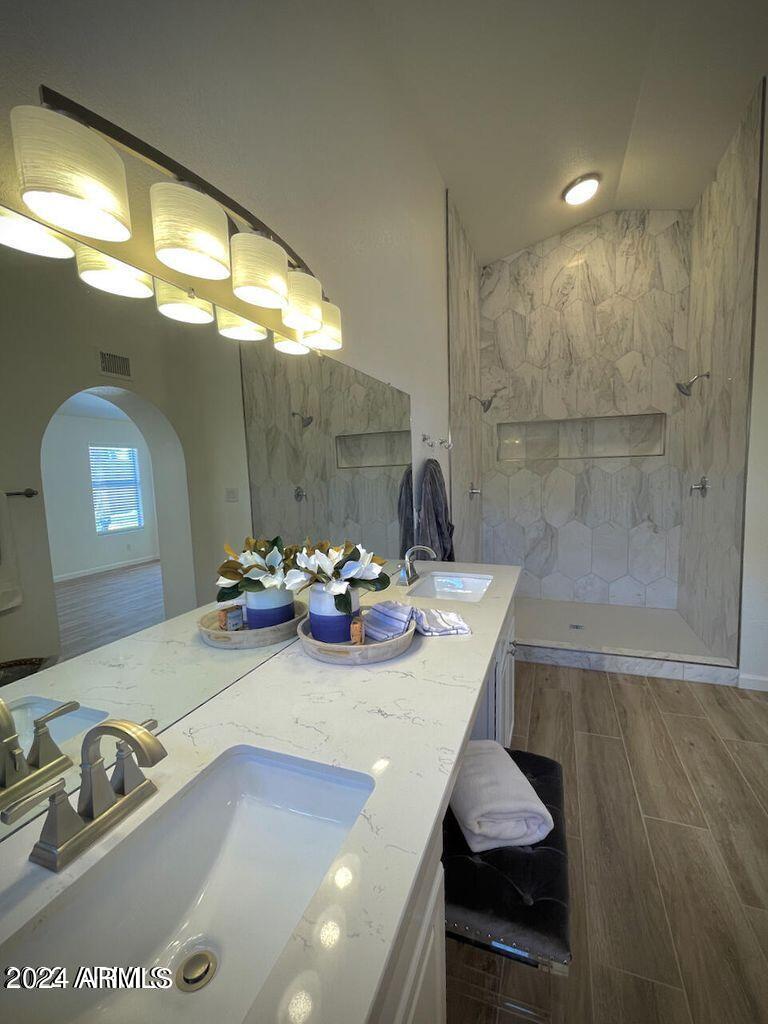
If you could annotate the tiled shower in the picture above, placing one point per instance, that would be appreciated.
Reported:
(587, 448)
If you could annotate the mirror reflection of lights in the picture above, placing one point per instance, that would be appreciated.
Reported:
(343, 877)
(330, 933)
(380, 766)
(300, 1007)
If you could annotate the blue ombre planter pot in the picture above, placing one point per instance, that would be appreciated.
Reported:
(328, 625)
(268, 607)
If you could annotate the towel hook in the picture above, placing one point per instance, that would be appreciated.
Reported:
(445, 443)
(428, 441)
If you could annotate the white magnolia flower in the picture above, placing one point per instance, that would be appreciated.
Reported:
(275, 579)
(305, 561)
(295, 579)
(362, 569)
(222, 582)
(325, 563)
(251, 558)
(274, 559)
(336, 587)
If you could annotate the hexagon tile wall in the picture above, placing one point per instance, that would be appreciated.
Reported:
(589, 323)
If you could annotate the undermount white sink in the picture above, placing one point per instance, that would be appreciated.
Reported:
(26, 709)
(226, 866)
(452, 586)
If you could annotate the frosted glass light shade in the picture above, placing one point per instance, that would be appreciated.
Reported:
(288, 346)
(237, 327)
(305, 295)
(328, 338)
(191, 231)
(27, 235)
(259, 270)
(69, 175)
(111, 275)
(177, 304)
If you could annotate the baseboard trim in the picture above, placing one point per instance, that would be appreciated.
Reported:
(749, 682)
(657, 667)
(67, 576)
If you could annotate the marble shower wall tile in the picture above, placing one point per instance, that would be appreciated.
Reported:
(714, 418)
(466, 336)
(585, 326)
(339, 503)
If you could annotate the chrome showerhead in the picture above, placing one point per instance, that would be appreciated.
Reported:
(485, 403)
(686, 387)
(306, 421)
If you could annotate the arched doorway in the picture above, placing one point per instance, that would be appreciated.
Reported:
(117, 514)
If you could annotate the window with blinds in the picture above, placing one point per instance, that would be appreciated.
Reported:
(116, 489)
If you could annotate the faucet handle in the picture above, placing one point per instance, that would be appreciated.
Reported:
(44, 750)
(19, 808)
(127, 775)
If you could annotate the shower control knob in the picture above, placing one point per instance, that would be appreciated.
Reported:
(702, 487)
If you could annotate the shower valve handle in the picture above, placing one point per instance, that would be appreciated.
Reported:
(702, 487)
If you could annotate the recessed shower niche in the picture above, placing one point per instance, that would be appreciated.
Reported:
(598, 437)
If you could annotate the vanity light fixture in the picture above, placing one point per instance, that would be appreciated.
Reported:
(259, 270)
(185, 306)
(69, 175)
(304, 310)
(288, 346)
(110, 275)
(328, 338)
(581, 189)
(230, 325)
(191, 231)
(19, 232)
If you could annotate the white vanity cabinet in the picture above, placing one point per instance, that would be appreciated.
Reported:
(495, 718)
(413, 990)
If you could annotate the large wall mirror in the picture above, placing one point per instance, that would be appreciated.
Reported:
(151, 444)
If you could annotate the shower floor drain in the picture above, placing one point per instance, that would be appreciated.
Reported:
(196, 970)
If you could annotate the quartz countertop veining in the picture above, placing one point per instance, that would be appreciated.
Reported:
(403, 722)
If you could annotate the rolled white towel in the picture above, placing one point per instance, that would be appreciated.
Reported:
(494, 803)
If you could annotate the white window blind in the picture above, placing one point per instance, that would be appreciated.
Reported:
(116, 489)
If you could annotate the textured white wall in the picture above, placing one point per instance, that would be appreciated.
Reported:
(76, 547)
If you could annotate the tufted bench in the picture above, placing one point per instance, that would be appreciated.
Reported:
(513, 901)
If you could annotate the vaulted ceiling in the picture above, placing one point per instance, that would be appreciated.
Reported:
(517, 97)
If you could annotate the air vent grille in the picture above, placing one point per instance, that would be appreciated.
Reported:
(114, 365)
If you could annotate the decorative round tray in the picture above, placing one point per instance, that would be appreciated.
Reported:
(243, 639)
(354, 654)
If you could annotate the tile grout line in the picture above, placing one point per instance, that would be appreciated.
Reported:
(650, 850)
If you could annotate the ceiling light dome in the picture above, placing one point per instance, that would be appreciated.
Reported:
(581, 189)
(328, 338)
(259, 270)
(177, 304)
(191, 231)
(69, 175)
(25, 235)
(305, 296)
(288, 346)
(111, 275)
(237, 327)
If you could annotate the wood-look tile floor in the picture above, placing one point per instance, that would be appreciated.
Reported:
(95, 610)
(666, 786)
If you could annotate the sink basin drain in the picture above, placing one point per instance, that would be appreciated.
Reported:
(196, 971)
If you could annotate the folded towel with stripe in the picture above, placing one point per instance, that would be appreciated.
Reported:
(495, 805)
(389, 619)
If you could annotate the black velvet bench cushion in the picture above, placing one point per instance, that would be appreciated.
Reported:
(513, 900)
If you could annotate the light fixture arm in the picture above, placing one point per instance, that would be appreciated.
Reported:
(62, 104)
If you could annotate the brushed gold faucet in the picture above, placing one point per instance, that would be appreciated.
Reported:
(103, 802)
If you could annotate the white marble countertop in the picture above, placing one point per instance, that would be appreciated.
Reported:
(404, 722)
(163, 672)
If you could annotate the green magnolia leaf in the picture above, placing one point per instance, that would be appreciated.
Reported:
(380, 583)
(343, 602)
(278, 543)
(353, 556)
(228, 593)
(254, 586)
